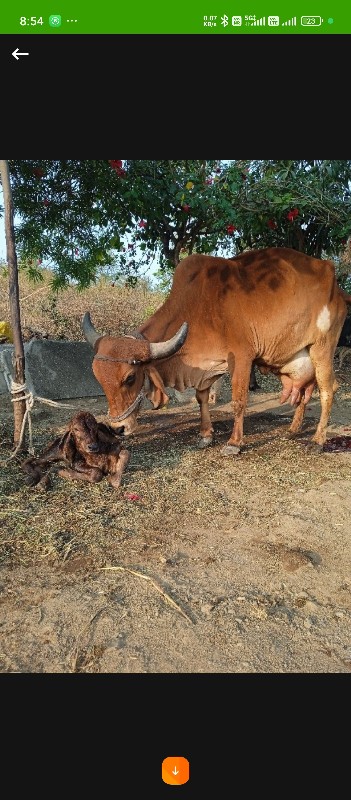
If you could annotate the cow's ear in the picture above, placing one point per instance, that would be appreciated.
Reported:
(156, 392)
(67, 447)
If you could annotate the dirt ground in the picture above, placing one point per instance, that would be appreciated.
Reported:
(198, 563)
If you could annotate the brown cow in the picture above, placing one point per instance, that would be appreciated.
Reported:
(276, 307)
(89, 449)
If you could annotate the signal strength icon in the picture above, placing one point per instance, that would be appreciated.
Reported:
(261, 21)
(291, 21)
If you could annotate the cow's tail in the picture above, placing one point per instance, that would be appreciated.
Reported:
(347, 297)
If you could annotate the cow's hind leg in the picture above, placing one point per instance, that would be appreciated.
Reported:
(327, 385)
(240, 388)
(206, 430)
(297, 419)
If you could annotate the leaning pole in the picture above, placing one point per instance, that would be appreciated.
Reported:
(19, 407)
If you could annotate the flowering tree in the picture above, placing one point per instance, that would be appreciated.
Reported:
(301, 204)
(85, 217)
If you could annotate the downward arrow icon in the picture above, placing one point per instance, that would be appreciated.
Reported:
(175, 770)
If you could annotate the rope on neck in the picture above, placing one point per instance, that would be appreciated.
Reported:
(134, 362)
(130, 408)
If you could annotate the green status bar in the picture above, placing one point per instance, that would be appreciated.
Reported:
(207, 17)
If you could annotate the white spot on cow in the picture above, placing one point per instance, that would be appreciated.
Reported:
(323, 320)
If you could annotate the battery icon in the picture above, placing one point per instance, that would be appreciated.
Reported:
(311, 22)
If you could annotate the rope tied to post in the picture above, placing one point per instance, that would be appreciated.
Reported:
(16, 389)
(26, 395)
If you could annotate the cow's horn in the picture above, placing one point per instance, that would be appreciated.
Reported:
(89, 331)
(164, 349)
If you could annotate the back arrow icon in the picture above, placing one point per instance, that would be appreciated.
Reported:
(16, 54)
(175, 771)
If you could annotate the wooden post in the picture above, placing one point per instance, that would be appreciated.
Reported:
(19, 407)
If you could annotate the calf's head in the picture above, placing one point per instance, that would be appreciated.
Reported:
(124, 367)
(83, 429)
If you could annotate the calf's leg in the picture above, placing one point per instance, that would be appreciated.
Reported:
(81, 472)
(123, 460)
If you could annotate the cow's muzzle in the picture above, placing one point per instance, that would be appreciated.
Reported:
(130, 409)
(119, 431)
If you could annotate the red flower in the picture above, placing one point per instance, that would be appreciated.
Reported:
(271, 224)
(142, 223)
(209, 181)
(76, 251)
(115, 164)
(292, 214)
(186, 208)
(39, 173)
(131, 496)
(231, 228)
(46, 202)
(40, 261)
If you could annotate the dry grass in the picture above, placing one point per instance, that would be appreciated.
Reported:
(92, 524)
(213, 569)
(113, 309)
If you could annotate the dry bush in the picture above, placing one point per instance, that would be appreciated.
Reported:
(113, 309)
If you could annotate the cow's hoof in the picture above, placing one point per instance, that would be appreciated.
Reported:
(230, 450)
(314, 447)
(205, 441)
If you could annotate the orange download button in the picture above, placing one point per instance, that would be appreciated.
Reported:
(175, 770)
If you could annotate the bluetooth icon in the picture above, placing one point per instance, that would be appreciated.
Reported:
(224, 20)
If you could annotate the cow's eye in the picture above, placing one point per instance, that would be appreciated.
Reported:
(130, 379)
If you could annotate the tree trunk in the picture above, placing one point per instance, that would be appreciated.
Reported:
(19, 407)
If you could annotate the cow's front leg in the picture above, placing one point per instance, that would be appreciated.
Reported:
(206, 430)
(240, 388)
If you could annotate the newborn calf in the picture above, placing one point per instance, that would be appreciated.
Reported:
(89, 449)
